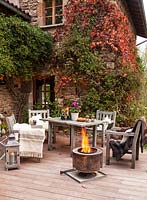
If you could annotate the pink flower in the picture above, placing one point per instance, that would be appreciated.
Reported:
(75, 107)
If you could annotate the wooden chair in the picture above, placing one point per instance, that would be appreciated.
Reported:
(44, 113)
(130, 146)
(103, 115)
(10, 123)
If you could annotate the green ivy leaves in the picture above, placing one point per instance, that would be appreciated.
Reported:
(24, 48)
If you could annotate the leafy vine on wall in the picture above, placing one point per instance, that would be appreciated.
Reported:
(94, 30)
(108, 27)
(24, 49)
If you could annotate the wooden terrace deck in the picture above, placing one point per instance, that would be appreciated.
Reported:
(42, 181)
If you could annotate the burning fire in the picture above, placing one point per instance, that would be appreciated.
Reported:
(85, 144)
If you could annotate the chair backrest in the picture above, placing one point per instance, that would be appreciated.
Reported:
(101, 115)
(10, 122)
(44, 113)
(137, 134)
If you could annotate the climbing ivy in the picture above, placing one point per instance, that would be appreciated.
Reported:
(24, 48)
(93, 31)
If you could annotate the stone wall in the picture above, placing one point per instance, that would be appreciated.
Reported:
(30, 6)
(14, 98)
(34, 8)
(6, 101)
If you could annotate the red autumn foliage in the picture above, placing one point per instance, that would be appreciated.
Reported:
(107, 26)
(62, 82)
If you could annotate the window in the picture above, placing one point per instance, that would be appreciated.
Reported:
(53, 12)
(43, 91)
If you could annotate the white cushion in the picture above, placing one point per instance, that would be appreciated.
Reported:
(106, 121)
(38, 120)
(22, 126)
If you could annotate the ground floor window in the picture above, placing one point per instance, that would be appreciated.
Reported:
(43, 92)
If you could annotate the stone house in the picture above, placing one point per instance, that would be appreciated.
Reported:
(49, 14)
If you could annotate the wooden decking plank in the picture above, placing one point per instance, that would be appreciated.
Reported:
(43, 194)
(42, 181)
(87, 187)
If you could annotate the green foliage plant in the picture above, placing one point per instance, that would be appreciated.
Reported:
(54, 108)
(24, 48)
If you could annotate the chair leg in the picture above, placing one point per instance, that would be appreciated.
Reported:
(133, 158)
(137, 151)
(113, 155)
(103, 135)
(108, 150)
(133, 164)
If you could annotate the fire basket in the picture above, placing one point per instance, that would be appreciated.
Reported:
(87, 162)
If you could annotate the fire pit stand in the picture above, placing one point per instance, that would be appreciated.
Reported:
(86, 166)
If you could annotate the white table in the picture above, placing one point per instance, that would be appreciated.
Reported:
(54, 122)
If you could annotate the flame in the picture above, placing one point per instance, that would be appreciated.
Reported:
(85, 144)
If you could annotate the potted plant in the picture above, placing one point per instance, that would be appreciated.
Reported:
(74, 110)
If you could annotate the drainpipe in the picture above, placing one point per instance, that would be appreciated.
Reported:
(16, 10)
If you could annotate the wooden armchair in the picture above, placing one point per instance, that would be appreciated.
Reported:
(129, 146)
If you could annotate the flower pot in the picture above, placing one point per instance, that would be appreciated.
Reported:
(74, 116)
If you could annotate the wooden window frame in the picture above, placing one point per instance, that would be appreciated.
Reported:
(42, 89)
(54, 15)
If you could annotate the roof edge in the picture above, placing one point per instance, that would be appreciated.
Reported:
(15, 9)
(144, 20)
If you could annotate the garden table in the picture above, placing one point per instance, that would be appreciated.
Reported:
(56, 122)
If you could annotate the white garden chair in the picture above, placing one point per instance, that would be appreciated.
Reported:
(40, 117)
(109, 119)
(44, 113)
